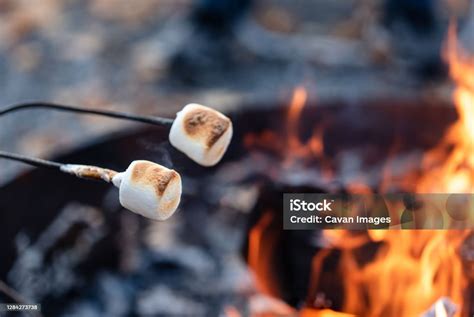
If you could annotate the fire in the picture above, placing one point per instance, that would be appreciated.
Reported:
(296, 149)
(411, 270)
(296, 107)
(451, 164)
(261, 246)
(292, 148)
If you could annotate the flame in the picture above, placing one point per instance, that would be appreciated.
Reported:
(272, 141)
(293, 150)
(261, 246)
(417, 264)
(313, 149)
(411, 269)
(451, 163)
(300, 96)
(410, 272)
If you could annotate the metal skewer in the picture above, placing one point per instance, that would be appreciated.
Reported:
(81, 171)
(30, 160)
(106, 113)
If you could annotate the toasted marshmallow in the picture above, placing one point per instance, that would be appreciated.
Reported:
(202, 133)
(149, 189)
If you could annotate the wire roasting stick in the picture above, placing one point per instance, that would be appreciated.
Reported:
(30, 160)
(106, 113)
(145, 188)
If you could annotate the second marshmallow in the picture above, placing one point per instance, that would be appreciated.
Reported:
(202, 133)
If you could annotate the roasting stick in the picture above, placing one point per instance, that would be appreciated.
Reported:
(30, 160)
(106, 113)
(145, 188)
(82, 171)
(200, 132)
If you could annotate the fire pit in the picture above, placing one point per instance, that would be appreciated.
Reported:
(73, 249)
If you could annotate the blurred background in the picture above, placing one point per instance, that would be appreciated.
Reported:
(70, 246)
(154, 56)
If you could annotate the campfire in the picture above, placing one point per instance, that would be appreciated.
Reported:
(374, 272)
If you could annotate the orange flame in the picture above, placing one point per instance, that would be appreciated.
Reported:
(294, 150)
(296, 107)
(409, 273)
(261, 246)
(411, 269)
(451, 164)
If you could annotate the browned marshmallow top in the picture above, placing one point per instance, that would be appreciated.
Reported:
(202, 123)
(148, 173)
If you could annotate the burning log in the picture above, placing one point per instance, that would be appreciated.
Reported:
(202, 133)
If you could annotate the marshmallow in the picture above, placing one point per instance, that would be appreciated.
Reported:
(149, 189)
(202, 133)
